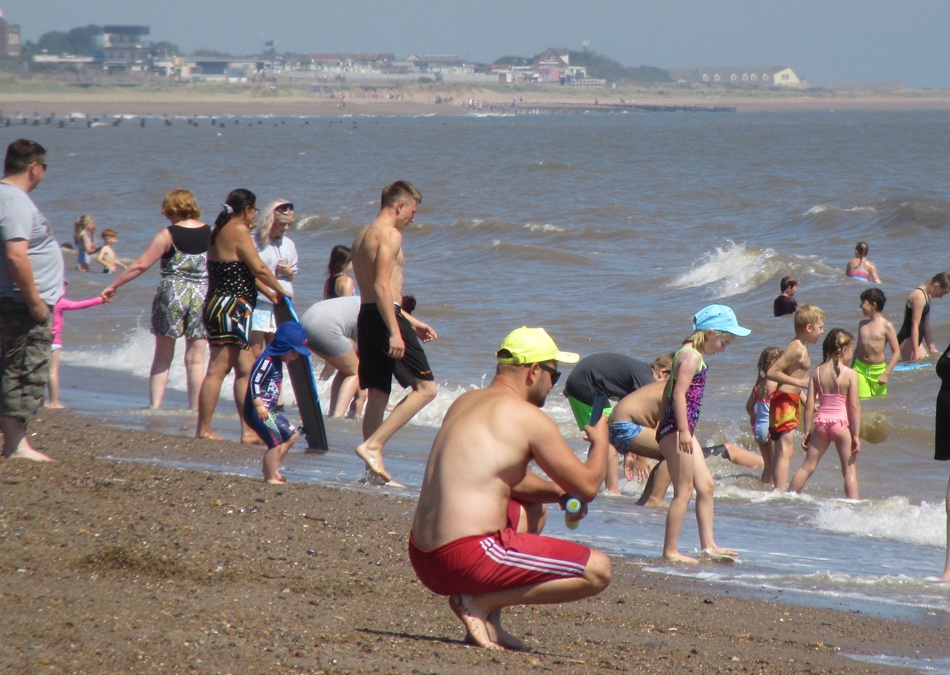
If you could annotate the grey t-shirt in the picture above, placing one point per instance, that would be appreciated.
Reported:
(613, 375)
(20, 219)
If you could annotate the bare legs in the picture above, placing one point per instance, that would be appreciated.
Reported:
(377, 431)
(15, 445)
(782, 459)
(816, 450)
(346, 384)
(481, 614)
(161, 363)
(687, 472)
(53, 381)
(223, 359)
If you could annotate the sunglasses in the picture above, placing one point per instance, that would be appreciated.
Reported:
(553, 372)
(42, 164)
(284, 208)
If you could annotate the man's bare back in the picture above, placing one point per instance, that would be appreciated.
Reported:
(476, 459)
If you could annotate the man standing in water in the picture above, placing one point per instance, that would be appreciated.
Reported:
(476, 534)
(388, 344)
(31, 281)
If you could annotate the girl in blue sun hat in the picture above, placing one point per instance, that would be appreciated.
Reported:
(714, 328)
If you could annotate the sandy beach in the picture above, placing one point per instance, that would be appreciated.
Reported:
(114, 566)
(38, 99)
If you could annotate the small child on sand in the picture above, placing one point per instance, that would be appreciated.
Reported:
(64, 304)
(874, 334)
(834, 392)
(790, 372)
(263, 391)
(757, 406)
(714, 327)
(107, 253)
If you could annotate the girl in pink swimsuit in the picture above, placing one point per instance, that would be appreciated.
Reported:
(838, 416)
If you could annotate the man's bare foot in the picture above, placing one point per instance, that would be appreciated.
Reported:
(613, 493)
(677, 557)
(476, 629)
(209, 435)
(372, 479)
(502, 637)
(374, 461)
(24, 451)
(55, 405)
(251, 440)
(276, 480)
(716, 554)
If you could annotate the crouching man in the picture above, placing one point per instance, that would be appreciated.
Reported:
(476, 534)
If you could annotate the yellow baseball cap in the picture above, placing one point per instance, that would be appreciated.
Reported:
(532, 345)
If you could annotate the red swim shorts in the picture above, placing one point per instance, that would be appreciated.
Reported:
(785, 411)
(494, 562)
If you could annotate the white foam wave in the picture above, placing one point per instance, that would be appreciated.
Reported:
(825, 208)
(544, 227)
(894, 518)
(729, 271)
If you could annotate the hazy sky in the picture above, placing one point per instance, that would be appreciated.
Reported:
(825, 41)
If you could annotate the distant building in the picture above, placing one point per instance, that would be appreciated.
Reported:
(755, 76)
(552, 65)
(123, 49)
(9, 39)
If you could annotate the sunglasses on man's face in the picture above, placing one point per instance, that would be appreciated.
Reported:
(552, 371)
(284, 208)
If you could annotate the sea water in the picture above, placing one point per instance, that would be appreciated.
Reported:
(610, 230)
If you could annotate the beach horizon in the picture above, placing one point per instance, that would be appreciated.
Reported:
(44, 98)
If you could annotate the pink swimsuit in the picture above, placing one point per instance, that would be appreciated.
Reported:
(832, 416)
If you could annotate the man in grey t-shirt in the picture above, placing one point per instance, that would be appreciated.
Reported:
(31, 281)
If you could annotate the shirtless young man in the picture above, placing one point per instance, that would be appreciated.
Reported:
(388, 341)
(633, 424)
(476, 534)
(790, 372)
(874, 334)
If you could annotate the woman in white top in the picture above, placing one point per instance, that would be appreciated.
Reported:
(280, 255)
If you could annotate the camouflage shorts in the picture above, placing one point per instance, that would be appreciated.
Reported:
(24, 359)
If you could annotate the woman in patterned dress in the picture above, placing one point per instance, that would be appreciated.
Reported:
(179, 301)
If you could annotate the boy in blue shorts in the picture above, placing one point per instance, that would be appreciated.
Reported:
(263, 391)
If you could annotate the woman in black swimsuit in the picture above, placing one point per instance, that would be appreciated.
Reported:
(914, 336)
(233, 267)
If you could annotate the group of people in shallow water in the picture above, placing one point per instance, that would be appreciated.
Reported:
(476, 534)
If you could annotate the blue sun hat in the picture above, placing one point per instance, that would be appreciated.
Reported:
(719, 317)
(290, 337)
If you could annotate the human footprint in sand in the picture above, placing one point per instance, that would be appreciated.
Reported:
(476, 533)
(263, 393)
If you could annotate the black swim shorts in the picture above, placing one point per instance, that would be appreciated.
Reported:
(377, 368)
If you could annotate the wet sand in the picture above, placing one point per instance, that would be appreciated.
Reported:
(120, 566)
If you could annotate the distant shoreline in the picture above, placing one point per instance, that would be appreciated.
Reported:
(45, 99)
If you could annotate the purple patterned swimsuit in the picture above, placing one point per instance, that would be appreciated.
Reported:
(694, 399)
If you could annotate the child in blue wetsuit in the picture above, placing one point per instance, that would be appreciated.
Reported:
(263, 391)
(714, 327)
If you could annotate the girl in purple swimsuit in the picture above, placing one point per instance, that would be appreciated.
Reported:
(714, 328)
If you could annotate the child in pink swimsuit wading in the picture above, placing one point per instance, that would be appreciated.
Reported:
(834, 388)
